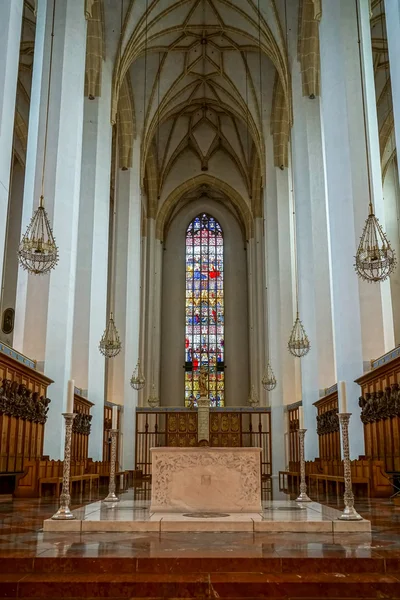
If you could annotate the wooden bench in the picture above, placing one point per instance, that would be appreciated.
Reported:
(364, 471)
(51, 473)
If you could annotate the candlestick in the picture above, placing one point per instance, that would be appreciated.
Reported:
(349, 513)
(301, 418)
(342, 397)
(114, 417)
(64, 511)
(303, 486)
(111, 486)
(70, 396)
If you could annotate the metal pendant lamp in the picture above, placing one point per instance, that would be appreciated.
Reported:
(375, 259)
(38, 252)
(138, 380)
(269, 380)
(110, 344)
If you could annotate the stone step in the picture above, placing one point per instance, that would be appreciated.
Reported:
(129, 565)
(190, 585)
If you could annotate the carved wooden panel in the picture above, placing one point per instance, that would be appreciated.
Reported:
(81, 428)
(182, 429)
(225, 429)
(293, 427)
(23, 411)
(328, 426)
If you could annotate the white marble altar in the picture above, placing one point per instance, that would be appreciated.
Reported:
(206, 479)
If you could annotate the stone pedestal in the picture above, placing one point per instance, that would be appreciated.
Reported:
(206, 479)
(203, 419)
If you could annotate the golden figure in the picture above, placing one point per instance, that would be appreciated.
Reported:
(203, 383)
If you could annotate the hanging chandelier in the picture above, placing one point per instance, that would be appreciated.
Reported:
(375, 258)
(298, 344)
(253, 400)
(138, 380)
(38, 252)
(269, 380)
(110, 344)
(153, 400)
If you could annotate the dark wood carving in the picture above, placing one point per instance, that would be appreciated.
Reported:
(82, 424)
(328, 425)
(328, 422)
(16, 400)
(379, 405)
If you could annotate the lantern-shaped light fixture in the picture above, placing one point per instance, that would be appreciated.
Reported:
(138, 380)
(375, 258)
(299, 344)
(38, 252)
(110, 344)
(269, 380)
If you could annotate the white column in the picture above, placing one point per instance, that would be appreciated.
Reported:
(279, 281)
(127, 299)
(392, 11)
(317, 367)
(153, 310)
(256, 289)
(10, 272)
(360, 330)
(258, 353)
(45, 305)
(10, 36)
(88, 364)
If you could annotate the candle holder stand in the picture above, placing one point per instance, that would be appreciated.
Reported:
(64, 512)
(349, 513)
(303, 497)
(111, 487)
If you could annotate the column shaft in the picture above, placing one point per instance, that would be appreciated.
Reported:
(317, 367)
(127, 300)
(10, 36)
(45, 305)
(392, 11)
(359, 331)
(88, 364)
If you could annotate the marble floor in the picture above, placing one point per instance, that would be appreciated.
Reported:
(35, 563)
(131, 515)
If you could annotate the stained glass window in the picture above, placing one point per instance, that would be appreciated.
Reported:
(204, 331)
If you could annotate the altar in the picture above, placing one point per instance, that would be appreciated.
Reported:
(204, 479)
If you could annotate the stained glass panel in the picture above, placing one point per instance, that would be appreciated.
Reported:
(204, 330)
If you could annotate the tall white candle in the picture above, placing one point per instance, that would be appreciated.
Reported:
(114, 417)
(342, 397)
(301, 418)
(70, 396)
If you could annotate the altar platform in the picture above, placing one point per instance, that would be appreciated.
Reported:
(131, 515)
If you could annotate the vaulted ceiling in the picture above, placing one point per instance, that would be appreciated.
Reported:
(201, 80)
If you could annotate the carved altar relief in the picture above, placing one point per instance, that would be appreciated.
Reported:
(206, 479)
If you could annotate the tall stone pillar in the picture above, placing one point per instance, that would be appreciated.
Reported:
(153, 309)
(256, 270)
(88, 364)
(45, 305)
(317, 367)
(280, 296)
(392, 11)
(127, 286)
(10, 36)
(361, 329)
